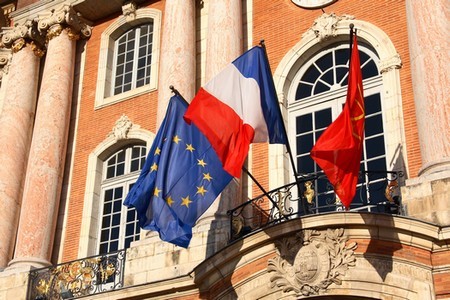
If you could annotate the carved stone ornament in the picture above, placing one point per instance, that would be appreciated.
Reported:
(5, 60)
(324, 27)
(121, 129)
(64, 16)
(391, 63)
(311, 261)
(129, 10)
(15, 38)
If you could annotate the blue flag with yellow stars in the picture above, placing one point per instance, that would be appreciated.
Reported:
(181, 178)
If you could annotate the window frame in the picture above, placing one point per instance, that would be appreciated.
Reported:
(104, 96)
(389, 64)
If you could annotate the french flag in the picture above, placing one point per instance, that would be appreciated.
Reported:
(238, 107)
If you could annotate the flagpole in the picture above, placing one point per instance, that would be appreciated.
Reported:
(176, 92)
(288, 146)
(351, 43)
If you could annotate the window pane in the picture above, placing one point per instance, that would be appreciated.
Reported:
(375, 146)
(322, 118)
(304, 123)
(325, 62)
(305, 143)
(374, 125)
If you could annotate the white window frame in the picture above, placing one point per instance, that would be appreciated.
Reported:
(104, 95)
(389, 64)
(124, 181)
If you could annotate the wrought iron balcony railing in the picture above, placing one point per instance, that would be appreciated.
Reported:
(78, 278)
(377, 191)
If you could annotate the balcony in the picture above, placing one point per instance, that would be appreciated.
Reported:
(377, 191)
(78, 278)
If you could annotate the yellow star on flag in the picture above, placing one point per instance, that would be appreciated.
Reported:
(201, 162)
(176, 139)
(169, 201)
(157, 151)
(154, 167)
(156, 192)
(185, 201)
(201, 190)
(189, 147)
(206, 176)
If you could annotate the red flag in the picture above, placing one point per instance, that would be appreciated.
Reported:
(338, 150)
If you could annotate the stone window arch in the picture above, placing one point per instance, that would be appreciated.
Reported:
(331, 33)
(124, 135)
(141, 27)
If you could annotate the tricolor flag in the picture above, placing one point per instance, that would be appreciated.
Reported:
(237, 107)
(338, 150)
(181, 178)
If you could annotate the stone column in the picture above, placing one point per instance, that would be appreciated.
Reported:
(427, 197)
(427, 22)
(16, 122)
(224, 43)
(43, 180)
(177, 58)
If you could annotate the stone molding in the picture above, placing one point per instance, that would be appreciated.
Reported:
(310, 261)
(392, 63)
(324, 27)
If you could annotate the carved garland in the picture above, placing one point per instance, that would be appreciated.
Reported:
(311, 261)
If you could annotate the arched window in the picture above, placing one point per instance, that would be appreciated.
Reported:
(118, 224)
(316, 97)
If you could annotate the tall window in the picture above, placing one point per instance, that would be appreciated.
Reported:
(119, 224)
(133, 59)
(317, 96)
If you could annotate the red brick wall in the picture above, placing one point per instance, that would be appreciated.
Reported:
(93, 128)
(281, 24)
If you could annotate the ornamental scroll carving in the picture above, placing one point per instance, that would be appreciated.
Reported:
(324, 27)
(311, 261)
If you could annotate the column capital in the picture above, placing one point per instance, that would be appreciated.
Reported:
(15, 38)
(65, 17)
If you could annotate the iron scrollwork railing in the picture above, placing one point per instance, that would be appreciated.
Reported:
(377, 191)
(78, 278)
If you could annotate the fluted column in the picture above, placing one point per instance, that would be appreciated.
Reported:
(43, 180)
(224, 43)
(16, 122)
(427, 22)
(177, 58)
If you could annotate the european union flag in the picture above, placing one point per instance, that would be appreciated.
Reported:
(181, 178)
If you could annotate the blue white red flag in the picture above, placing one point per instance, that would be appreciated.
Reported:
(239, 107)
(181, 178)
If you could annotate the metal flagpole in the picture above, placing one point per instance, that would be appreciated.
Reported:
(288, 146)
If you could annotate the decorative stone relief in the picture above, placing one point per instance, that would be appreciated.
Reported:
(129, 10)
(17, 37)
(324, 27)
(121, 129)
(391, 63)
(53, 22)
(5, 59)
(310, 261)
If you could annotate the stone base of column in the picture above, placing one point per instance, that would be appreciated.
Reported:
(426, 198)
(27, 264)
(436, 167)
